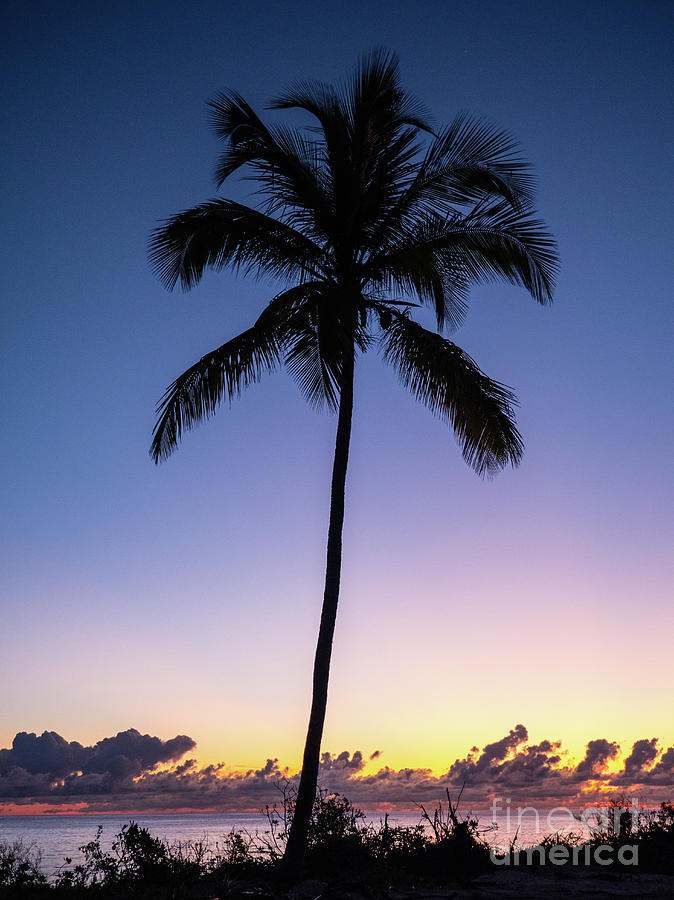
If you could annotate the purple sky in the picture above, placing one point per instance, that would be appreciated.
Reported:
(185, 599)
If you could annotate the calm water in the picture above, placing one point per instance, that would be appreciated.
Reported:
(60, 836)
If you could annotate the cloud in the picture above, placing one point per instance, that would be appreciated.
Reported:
(54, 764)
(343, 762)
(49, 753)
(129, 753)
(597, 755)
(132, 772)
(483, 767)
(662, 773)
(638, 764)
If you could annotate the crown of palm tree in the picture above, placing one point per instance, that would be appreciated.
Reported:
(364, 215)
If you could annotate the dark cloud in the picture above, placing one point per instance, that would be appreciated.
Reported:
(476, 768)
(343, 762)
(638, 763)
(129, 753)
(50, 761)
(643, 754)
(125, 773)
(49, 753)
(662, 773)
(597, 755)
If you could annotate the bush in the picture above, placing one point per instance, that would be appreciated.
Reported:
(20, 866)
(343, 849)
(651, 830)
(342, 846)
(140, 864)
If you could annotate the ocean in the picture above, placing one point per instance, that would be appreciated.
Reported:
(61, 836)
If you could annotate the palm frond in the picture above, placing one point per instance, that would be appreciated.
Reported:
(285, 162)
(384, 124)
(470, 161)
(493, 242)
(222, 233)
(472, 158)
(497, 242)
(374, 96)
(315, 366)
(321, 334)
(450, 384)
(369, 128)
(323, 102)
(418, 269)
(223, 373)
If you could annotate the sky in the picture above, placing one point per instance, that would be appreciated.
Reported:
(184, 599)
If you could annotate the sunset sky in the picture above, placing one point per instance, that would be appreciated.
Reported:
(184, 599)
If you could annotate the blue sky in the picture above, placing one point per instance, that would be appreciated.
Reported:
(185, 598)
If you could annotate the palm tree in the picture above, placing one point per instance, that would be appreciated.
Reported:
(363, 216)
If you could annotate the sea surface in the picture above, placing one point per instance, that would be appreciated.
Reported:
(61, 836)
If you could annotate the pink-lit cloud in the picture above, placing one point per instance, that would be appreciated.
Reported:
(135, 773)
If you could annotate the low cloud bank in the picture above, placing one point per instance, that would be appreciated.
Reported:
(135, 772)
(48, 765)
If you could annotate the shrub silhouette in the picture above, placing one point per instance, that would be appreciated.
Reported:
(345, 853)
(20, 866)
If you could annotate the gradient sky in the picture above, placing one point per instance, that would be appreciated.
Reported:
(186, 598)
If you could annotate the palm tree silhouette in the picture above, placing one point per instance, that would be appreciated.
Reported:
(363, 216)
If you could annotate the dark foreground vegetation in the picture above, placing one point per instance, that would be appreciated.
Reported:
(445, 855)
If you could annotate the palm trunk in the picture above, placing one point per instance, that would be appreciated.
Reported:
(293, 857)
